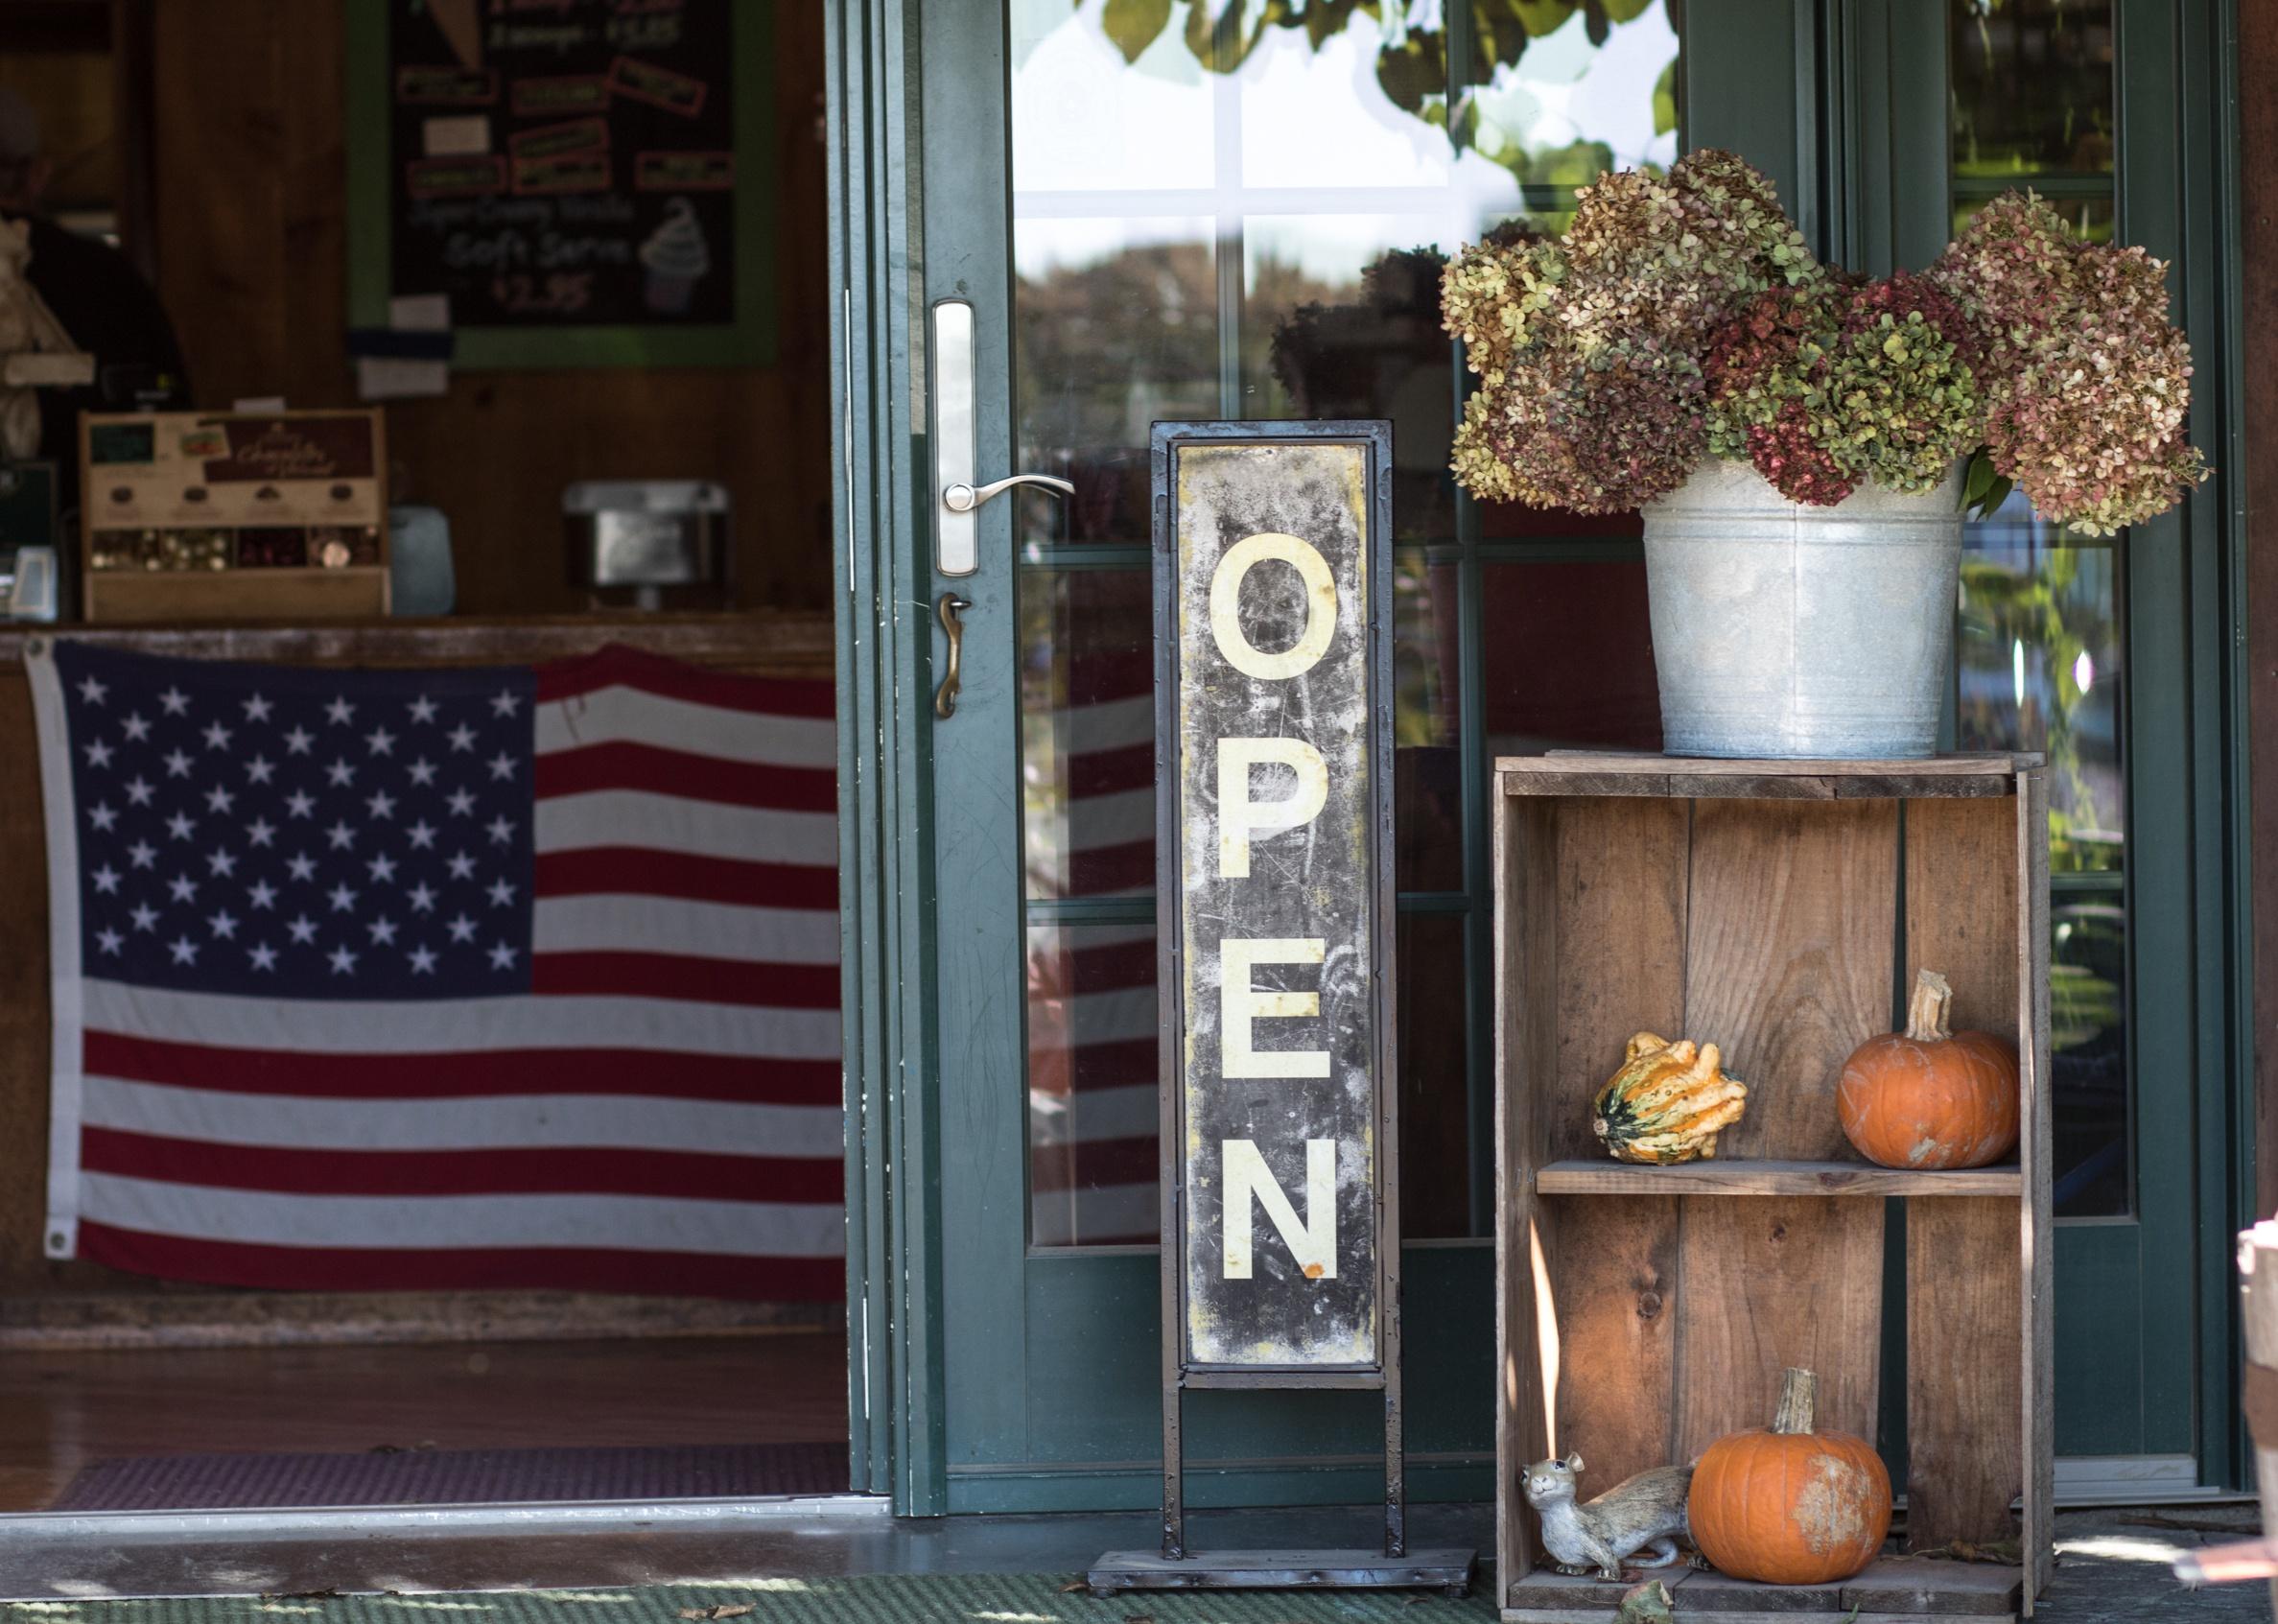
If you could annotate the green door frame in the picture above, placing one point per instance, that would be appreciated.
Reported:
(2187, 575)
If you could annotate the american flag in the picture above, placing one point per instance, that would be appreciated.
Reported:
(405, 979)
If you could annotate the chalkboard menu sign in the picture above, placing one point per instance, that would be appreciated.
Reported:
(585, 179)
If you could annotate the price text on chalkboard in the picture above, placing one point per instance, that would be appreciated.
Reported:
(567, 164)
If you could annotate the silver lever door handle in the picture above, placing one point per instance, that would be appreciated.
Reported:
(964, 498)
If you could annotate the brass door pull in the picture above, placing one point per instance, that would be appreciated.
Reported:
(947, 611)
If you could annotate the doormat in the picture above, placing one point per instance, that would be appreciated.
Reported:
(931, 1598)
(438, 1477)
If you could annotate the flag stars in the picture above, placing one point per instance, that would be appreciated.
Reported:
(219, 799)
(256, 708)
(422, 771)
(463, 803)
(103, 814)
(139, 791)
(179, 827)
(220, 863)
(381, 803)
(382, 930)
(423, 709)
(261, 833)
(422, 960)
(183, 887)
(343, 960)
(462, 737)
(92, 690)
(142, 854)
(502, 957)
(107, 879)
(340, 774)
(341, 898)
(501, 830)
(184, 950)
(298, 740)
(301, 867)
(502, 766)
(504, 703)
(422, 898)
(97, 753)
(299, 804)
(177, 765)
(260, 771)
(502, 893)
(136, 727)
(302, 929)
(261, 895)
(340, 836)
(383, 869)
(217, 737)
(175, 701)
(144, 917)
(339, 711)
(223, 924)
(110, 941)
(462, 867)
(262, 956)
(422, 835)
(461, 928)
(380, 741)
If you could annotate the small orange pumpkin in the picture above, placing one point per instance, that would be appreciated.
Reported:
(1930, 1098)
(1787, 1505)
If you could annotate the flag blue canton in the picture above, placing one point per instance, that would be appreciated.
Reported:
(298, 833)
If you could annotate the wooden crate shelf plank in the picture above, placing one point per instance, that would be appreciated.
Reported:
(1720, 1177)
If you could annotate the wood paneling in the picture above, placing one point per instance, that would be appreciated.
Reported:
(2258, 261)
(251, 231)
(773, 643)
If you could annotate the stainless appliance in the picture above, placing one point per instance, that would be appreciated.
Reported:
(652, 544)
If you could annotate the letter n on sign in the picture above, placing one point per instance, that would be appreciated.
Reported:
(1273, 633)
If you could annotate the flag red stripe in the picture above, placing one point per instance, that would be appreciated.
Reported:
(1108, 772)
(1128, 867)
(664, 1075)
(1093, 1164)
(620, 667)
(619, 870)
(567, 1268)
(679, 975)
(621, 764)
(567, 1171)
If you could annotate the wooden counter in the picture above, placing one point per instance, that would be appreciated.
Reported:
(764, 643)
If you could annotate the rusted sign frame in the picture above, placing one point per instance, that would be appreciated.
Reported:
(1375, 440)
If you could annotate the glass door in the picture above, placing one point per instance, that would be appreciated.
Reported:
(1188, 210)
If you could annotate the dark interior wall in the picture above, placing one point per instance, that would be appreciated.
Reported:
(251, 241)
(2258, 167)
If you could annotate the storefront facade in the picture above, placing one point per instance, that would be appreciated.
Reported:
(1191, 212)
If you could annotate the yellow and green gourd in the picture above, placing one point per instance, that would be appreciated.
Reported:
(1667, 1103)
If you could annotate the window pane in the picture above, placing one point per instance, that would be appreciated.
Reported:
(1568, 658)
(1427, 725)
(1087, 732)
(1435, 1091)
(2032, 87)
(2087, 1015)
(1092, 1098)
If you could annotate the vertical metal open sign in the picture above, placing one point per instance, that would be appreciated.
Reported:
(1275, 930)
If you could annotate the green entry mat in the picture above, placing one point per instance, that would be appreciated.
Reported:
(1016, 1598)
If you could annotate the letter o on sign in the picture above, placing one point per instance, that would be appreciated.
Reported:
(1226, 601)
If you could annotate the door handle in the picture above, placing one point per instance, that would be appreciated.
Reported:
(947, 611)
(964, 499)
(956, 543)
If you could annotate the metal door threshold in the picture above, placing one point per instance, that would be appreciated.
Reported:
(536, 1517)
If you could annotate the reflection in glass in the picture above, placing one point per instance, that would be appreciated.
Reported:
(1092, 1085)
(2039, 657)
(1435, 1105)
(2087, 983)
(2031, 82)
(1427, 754)
(1568, 658)
(1087, 732)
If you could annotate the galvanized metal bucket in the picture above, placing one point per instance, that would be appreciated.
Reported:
(1786, 630)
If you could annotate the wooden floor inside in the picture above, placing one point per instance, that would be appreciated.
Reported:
(62, 1411)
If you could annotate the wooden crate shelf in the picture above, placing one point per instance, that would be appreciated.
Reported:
(1779, 909)
(1721, 1177)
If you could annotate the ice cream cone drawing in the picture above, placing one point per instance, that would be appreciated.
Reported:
(676, 259)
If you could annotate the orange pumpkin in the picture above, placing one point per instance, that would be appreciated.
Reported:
(1929, 1096)
(1787, 1505)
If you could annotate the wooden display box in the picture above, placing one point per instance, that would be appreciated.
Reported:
(1779, 909)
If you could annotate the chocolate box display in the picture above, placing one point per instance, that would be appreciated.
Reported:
(233, 516)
